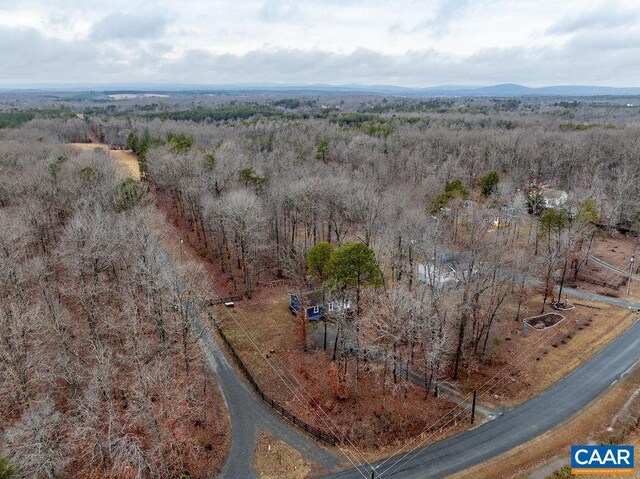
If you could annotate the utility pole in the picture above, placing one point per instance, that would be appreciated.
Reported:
(473, 408)
(633, 257)
(181, 243)
(325, 334)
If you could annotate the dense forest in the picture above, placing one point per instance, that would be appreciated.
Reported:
(373, 200)
(99, 375)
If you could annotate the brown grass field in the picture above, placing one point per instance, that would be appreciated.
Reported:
(126, 160)
(274, 459)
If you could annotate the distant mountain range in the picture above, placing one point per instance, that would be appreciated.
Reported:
(513, 89)
(501, 90)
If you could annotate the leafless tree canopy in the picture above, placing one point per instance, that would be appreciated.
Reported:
(99, 375)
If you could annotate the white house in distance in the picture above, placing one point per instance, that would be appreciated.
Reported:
(445, 271)
(428, 272)
(553, 198)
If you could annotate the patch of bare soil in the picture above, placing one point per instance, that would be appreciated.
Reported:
(544, 321)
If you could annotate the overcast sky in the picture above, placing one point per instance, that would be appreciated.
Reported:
(394, 42)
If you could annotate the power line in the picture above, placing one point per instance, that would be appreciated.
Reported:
(495, 380)
(328, 423)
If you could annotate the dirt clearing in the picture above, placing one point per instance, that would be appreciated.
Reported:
(126, 160)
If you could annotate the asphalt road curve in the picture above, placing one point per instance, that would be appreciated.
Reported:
(248, 416)
(519, 425)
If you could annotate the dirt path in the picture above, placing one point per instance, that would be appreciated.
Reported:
(126, 160)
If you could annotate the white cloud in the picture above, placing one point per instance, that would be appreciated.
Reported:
(603, 17)
(407, 42)
(125, 27)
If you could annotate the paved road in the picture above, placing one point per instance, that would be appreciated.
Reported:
(611, 267)
(623, 303)
(521, 424)
(248, 415)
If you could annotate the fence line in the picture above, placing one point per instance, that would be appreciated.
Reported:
(277, 282)
(227, 299)
(314, 431)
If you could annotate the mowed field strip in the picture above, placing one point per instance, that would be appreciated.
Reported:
(124, 159)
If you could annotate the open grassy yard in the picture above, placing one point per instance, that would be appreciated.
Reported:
(274, 459)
